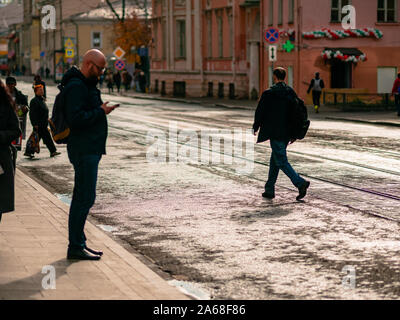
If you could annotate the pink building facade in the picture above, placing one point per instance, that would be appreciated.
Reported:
(206, 48)
(217, 47)
(364, 59)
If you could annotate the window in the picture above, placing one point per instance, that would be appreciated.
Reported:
(336, 10)
(271, 13)
(96, 39)
(164, 40)
(181, 39)
(291, 11)
(220, 37)
(387, 11)
(209, 32)
(280, 12)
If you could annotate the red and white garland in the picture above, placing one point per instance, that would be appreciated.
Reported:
(342, 34)
(287, 33)
(329, 54)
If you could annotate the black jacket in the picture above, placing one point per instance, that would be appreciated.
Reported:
(38, 112)
(20, 98)
(272, 114)
(84, 115)
(9, 131)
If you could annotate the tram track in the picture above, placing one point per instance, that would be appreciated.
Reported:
(343, 185)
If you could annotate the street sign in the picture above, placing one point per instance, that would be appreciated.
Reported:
(273, 51)
(69, 43)
(42, 54)
(271, 35)
(119, 65)
(69, 53)
(119, 53)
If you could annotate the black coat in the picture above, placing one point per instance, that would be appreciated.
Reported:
(9, 131)
(38, 112)
(273, 111)
(20, 98)
(84, 115)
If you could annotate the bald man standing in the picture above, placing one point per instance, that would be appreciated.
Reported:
(86, 116)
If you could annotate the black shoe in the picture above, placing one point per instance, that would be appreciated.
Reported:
(97, 253)
(80, 254)
(55, 154)
(268, 195)
(303, 190)
(30, 156)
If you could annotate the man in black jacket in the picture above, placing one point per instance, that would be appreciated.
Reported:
(85, 114)
(39, 116)
(272, 116)
(21, 102)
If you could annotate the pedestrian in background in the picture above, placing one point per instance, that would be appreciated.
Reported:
(9, 131)
(117, 80)
(38, 80)
(272, 119)
(21, 102)
(126, 80)
(86, 116)
(316, 85)
(142, 82)
(396, 93)
(39, 116)
(109, 80)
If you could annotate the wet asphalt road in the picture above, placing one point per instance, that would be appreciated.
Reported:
(205, 222)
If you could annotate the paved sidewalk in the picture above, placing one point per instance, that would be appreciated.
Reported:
(35, 235)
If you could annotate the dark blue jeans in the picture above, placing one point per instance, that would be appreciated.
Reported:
(279, 161)
(86, 169)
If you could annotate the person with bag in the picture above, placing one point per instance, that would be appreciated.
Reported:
(272, 119)
(9, 131)
(86, 117)
(39, 116)
(316, 85)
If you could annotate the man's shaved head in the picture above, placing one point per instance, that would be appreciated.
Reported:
(93, 63)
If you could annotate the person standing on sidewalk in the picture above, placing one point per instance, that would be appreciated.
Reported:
(316, 85)
(9, 131)
(86, 116)
(396, 93)
(21, 102)
(39, 116)
(272, 119)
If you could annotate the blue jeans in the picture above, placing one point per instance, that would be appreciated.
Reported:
(279, 161)
(86, 169)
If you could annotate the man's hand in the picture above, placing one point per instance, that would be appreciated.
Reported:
(107, 109)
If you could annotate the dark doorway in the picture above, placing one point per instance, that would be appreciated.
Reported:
(341, 74)
(179, 89)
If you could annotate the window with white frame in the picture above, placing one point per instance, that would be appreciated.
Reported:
(96, 39)
(387, 10)
(336, 9)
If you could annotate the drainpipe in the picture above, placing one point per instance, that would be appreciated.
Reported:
(233, 40)
(299, 41)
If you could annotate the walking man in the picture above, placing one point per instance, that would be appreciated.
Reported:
(316, 86)
(85, 115)
(396, 93)
(39, 116)
(271, 118)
